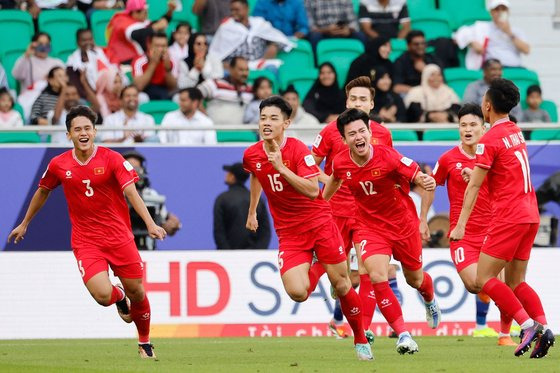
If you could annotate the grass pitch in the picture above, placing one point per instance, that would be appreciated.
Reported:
(437, 354)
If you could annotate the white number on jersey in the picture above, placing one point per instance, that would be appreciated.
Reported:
(89, 189)
(459, 255)
(368, 188)
(524, 161)
(275, 183)
(280, 260)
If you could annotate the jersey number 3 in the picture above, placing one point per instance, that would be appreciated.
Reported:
(89, 189)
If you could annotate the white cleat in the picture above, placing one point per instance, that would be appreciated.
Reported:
(406, 345)
(363, 350)
(433, 314)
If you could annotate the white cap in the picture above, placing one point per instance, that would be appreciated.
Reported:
(493, 4)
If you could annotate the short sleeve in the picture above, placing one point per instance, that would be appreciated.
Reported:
(305, 163)
(363, 14)
(440, 171)
(485, 154)
(404, 166)
(123, 171)
(49, 180)
(322, 144)
(403, 14)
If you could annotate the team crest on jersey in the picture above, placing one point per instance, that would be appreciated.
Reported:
(459, 165)
(68, 174)
(480, 149)
(99, 170)
(376, 172)
(374, 141)
(286, 162)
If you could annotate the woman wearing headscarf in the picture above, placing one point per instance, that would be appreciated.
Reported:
(376, 56)
(108, 90)
(389, 106)
(198, 66)
(432, 100)
(325, 100)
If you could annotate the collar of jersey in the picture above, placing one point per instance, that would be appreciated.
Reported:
(500, 121)
(281, 145)
(366, 162)
(87, 160)
(460, 146)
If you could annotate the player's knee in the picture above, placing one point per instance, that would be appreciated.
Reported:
(377, 277)
(298, 295)
(136, 294)
(102, 297)
(414, 281)
(342, 286)
(472, 287)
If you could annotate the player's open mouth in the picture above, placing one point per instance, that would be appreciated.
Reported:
(360, 146)
(468, 136)
(267, 131)
(84, 141)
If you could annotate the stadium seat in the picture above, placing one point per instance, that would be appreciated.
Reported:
(548, 106)
(16, 27)
(522, 78)
(236, 136)
(464, 12)
(19, 109)
(434, 23)
(99, 20)
(356, 4)
(441, 135)
(8, 59)
(420, 6)
(19, 137)
(302, 79)
(404, 135)
(62, 25)
(546, 134)
(185, 16)
(398, 46)
(300, 56)
(158, 108)
(254, 74)
(341, 53)
(458, 78)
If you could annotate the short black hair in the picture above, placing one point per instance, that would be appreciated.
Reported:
(289, 89)
(183, 24)
(349, 116)
(257, 83)
(413, 34)
(245, 2)
(490, 62)
(278, 102)
(82, 31)
(4, 91)
(513, 118)
(80, 111)
(534, 88)
(194, 93)
(158, 34)
(503, 95)
(39, 34)
(471, 108)
(234, 60)
(50, 75)
(127, 88)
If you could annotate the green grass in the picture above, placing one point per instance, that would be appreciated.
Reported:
(437, 354)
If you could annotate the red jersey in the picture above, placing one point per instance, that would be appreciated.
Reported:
(448, 170)
(328, 144)
(291, 210)
(503, 152)
(140, 64)
(382, 205)
(94, 192)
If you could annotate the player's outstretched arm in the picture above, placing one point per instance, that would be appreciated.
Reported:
(331, 186)
(255, 189)
(427, 200)
(424, 181)
(137, 203)
(37, 202)
(471, 194)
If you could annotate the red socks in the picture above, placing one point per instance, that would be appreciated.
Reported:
(505, 323)
(116, 295)
(505, 299)
(141, 314)
(389, 306)
(531, 302)
(315, 272)
(351, 308)
(367, 296)
(426, 290)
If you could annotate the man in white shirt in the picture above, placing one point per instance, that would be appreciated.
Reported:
(130, 117)
(188, 115)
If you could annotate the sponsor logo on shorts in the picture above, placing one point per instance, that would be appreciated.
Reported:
(341, 250)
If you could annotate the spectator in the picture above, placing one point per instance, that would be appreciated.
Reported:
(54, 4)
(32, 68)
(253, 38)
(211, 13)
(3, 78)
(230, 215)
(155, 203)
(495, 39)
(262, 89)
(388, 105)
(198, 66)
(228, 97)
(88, 58)
(153, 71)
(179, 49)
(534, 113)
(475, 91)
(67, 99)
(8, 116)
(56, 80)
(407, 70)
(385, 18)
(288, 16)
(325, 100)
(130, 117)
(90, 6)
(108, 89)
(376, 56)
(188, 115)
(331, 19)
(299, 116)
(432, 101)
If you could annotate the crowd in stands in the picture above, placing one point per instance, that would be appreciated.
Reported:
(220, 68)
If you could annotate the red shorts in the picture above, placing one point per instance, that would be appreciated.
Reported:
(510, 241)
(347, 229)
(296, 249)
(466, 251)
(125, 261)
(407, 250)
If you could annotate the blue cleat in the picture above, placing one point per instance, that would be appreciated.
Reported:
(406, 345)
(363, 350)
(544, 342)
(529, 335)
(433, 314)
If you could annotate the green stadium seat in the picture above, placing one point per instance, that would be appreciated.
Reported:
(398, 46)
(185, 16)
(548, 106)
(9, 59)
(434, 23)
(236, 136)
(458, 78)
(99, 20)
(302, 79)
(356, 4)
(441, 135)
(156, 9)
(158, 108)
(420, 6)
(16, 26)
(522, 78)
(341, 53)
(254, 74)
(546, 134)
(404, 135)
(61, 25)
(19, 109)
(300, 56)
(464, 12)
(19, 137)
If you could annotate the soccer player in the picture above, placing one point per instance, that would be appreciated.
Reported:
(502, 155)
(386, 224)
(94, 179)
(359, 95)
(454, 168)
(285, 169)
